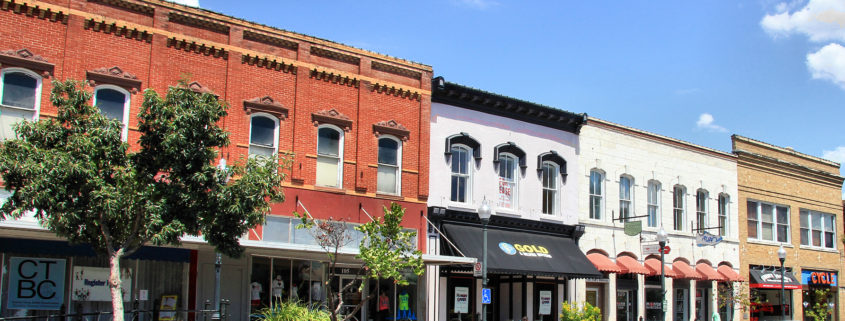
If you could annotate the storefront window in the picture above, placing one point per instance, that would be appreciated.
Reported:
(766, 304)
(653, 303)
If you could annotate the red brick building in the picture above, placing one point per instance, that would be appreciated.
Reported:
(335, 108)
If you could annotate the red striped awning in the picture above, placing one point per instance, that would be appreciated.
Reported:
(603, 263)
(684, 271)
(630, 265)
(708, 273)
(729, 273)
(653, 266)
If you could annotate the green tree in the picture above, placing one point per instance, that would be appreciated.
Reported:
(84, 183)
(387, 251)
(579, 312)
(820, 310)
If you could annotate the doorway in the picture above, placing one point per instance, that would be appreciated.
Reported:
(624, 305)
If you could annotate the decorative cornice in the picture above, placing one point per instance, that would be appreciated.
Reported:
(267, 63)
(416, 75)
(117, 30)
(331, 116)
(26, 59)
(115, 76)
(33, 11)
(129, 6)
(199, 88)
(270, 40)
(334, 78)
(266, 104)
(195, 47)
(396, 92)
(198, 22)
(391, 127)
(334, 55)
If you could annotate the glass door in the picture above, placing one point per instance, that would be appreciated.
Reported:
(624, 306)
(681, 305)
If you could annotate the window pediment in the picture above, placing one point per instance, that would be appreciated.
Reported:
(510, 147)
(554, 157)
(114, 76)
(463, 139)
(332, 116)
(391, 127)
(25, 59)
(266, 104)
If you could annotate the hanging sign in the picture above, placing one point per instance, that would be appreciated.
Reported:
(707, 239)
(36, 283)
(461, 299)
(545, 302)
(633, 228)
(92, 284)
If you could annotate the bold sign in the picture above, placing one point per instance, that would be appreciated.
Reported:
(92, 284)
(818, 277)
(633, 228)
(545, 302)
(476, 269)
(461, 299)
(525, 249)
(486, 296)
(707, 239)
(36, 283)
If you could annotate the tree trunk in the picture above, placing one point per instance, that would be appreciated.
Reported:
(115, 285)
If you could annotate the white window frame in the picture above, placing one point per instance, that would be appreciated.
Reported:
(724, 211)
(515, 174)
(809, 214)
(340, 148)
(679, 207)
(702, 209)
(36, 108)
(655, 187)
(468, 175)
(775, 224)
(630, 200)
(554, 179)
(275, 132)
(600, 213)
(124, 133)
(398, 166)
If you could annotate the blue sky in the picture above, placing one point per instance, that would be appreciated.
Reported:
(694, 70)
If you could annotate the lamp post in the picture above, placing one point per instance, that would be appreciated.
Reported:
(782, 258)
(661, 240)
(484, 213)
(218, 259)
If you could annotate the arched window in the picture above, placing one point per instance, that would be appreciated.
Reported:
(724, 201)
(20, 90)
(626, 198)
(113, 103)
(329, 156)
(551, 175)
(653, 202)
(263, 135)
(678, 207)
(508, 189)
(701, 209)
(596, 194)
(461, 173)
(389, 165)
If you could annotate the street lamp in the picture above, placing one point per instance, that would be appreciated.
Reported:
(661, 240)
(218, 259)
(484, 213)
(782, 258)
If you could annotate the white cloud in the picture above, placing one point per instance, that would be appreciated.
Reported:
(836, 155)
(706, 122)
(820, 20)
(478, 4)
(828, 63)
(190, 3)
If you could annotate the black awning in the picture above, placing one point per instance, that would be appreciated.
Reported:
(523, 252)
(770, 279)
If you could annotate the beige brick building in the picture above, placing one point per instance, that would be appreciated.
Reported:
(791, 199)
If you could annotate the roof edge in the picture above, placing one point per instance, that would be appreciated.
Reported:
(785, 150)
(660, 137)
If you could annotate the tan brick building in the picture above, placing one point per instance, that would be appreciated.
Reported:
(791, 199)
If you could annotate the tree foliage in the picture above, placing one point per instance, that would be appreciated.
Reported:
(580, 312)
(86, 184)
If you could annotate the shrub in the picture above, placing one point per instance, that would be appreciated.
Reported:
(292, 311)
(586, 312)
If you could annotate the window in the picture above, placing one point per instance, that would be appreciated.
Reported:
(20, 90)
(263, 135)
(461, 173)
(329, 156)
(389, 176)
(724, 200)
(678, 207)
(507, 181)
(768, 222)
(596, 194)
(113, 103)
(818, 229)
(653, 202)
(625, 197)
(550, 194)
(700, 210)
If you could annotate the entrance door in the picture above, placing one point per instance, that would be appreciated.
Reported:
(681, 307)
(231, 283)
(351, 297)
(701, 304)
(624, 305)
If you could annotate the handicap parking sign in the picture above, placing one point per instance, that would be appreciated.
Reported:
(485, 296)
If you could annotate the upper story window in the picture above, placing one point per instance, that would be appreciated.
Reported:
(507, 181)
(724, 203)
(653, 202)
(550, 175)
(818, 229)
(678, 194)
(700, 209)
(461, 173)
(263, 135)
(113, 103)
(329, 156)
(596, 194)
(20, 90)
(625, 196)
(389, 154)
(768, 222)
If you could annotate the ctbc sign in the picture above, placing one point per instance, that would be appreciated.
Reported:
(36, 283)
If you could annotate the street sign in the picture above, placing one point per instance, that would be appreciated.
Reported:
(666, 249)
(485, 296)
(649, 249)
(476, 269)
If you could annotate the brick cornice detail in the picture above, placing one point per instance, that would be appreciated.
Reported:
(34, 11)
(129, 6)
(198, 22)
(334, 78)
(114, 76)
(200, 48)
(266, 104)
(394, 91)
(268, 63)
(334, 55)
(118, 30)
(26, 59)
(270, 40)
(391, 127)
(416, 75)
(332, 116)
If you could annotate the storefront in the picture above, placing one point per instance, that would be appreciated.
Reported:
(765, 286)
(819, 293)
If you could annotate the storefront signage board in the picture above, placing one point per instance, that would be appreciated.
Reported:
(92, 284)
(545, 302)
(461, 299)
(707, 239)
(36, 283)
(811, 277)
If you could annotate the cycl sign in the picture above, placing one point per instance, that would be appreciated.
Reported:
(36, 283)
(818, 277)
